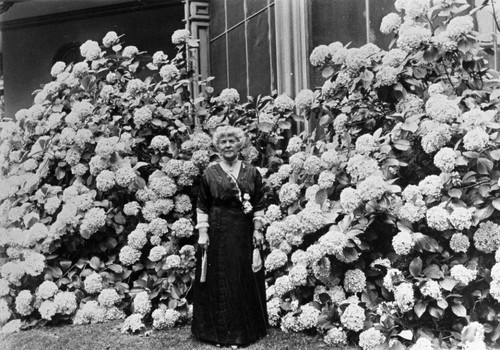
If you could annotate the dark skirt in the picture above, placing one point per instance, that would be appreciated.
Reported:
(229, 308)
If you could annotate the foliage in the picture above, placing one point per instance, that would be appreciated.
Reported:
(99, 178)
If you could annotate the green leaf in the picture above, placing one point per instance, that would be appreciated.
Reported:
(65, 264)
(448, 283)
(484, 166)
(420, 308)
(396, 345)
(284, 124)
(425, 242)
(433, 271)
(402, 145)
(120, 219)
(459, 310)
(327, 72)
(321, 197)
(406, 334)
(482, 214)
(442, 303)
(325, 119)
(416, 267)
(455, 193)
(95, 263)
(265, 127)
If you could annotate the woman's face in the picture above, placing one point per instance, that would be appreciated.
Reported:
(228, 147)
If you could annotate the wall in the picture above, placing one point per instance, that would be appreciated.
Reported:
(28, 50)
(242, 46)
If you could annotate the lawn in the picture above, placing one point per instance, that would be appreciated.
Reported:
(108, 337)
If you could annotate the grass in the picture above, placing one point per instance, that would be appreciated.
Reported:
(108, 337)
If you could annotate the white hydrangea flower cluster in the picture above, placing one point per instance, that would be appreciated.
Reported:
(339, 52)
(108, 297)
(182, 228)
(133, 323)
(432, 289)
(284, 102)
(320, 55)
(142, 116)
(412, 9)
(460, 26)
(90, 50)
(129, 255)
(180, 36)
(445, 159)
(392, 277)
(353, 317)
(313, 165)
(163, 187)
(304, 99)
(476, 139)
(487, 237)
(354, 281)
(372, 187)
(475, 118)
(371, 338)
(390, 23)
(294, 144)
(182, 204)
(273, 311)
(308, 318)
(403, 243)
(340, 123)
(229, 96)
(356, 59)
(412, 36)
(90, 312)
(275, 260)
(462, 274)
(93, 283)
(436, 137)
(94, 219)
(172, 261)
(47, 309)
(350, 199)
(459, 243)
(66, 302)
(335, 336)
(57, 68)
(130, 51)
(404, 296)
(366, 144)
(157, 253)
(110, 39)
(461, 218)
(431, 186)
(165, 319)
(275, 234)
(422, 344)
(125, 175)
(359, 167)
(131, 208)
(441, 109)
(298, 275)
(437, 218)
(134, 88)
(387, 76)
(23, 303)
(283, 285)
(142, 303)
(289, 193)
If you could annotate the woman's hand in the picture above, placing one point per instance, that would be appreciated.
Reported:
(203, 239)
(258, 238)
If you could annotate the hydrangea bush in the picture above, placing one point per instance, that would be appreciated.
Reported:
(99, 177)
(387, 224)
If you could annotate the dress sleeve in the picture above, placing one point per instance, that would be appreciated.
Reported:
(204, 200)
(258, 197)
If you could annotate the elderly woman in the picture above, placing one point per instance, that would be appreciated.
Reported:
(229, 299)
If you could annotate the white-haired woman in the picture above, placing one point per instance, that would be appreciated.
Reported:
(229, 302)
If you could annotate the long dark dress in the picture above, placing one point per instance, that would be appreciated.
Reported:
(229, 308)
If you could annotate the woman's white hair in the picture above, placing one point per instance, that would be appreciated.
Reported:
(229, 131)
